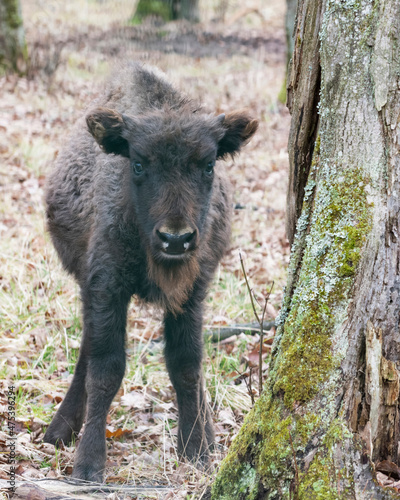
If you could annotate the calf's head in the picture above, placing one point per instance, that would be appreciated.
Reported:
(172, 157)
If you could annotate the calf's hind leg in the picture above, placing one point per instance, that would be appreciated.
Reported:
(68, 420)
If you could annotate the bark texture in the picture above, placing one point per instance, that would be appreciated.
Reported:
(13, 51)
(331, 405)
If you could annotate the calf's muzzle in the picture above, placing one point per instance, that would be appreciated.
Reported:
(176, 242)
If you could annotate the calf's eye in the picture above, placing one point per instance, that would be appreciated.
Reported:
(209, 167)
(137, 167)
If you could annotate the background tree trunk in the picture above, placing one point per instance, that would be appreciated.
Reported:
(169, 10)
(331, 404)
(189, 9)
(13, 51)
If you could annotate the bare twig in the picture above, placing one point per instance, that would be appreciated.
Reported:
(243, 12)
(248, 383)
(260, 321)
(260, 380)
(249, 289)
(249, 387)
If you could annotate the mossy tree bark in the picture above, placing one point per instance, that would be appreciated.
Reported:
(13, 50)
(330, 408)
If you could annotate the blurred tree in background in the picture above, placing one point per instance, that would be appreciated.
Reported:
(168, 10)
(13, 50)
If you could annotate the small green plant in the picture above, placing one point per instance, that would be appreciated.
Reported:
(45, 464)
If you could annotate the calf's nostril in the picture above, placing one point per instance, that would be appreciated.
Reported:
(189, 236)
(164, 237)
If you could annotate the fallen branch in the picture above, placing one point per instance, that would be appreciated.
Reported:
(243, 12)
(68, 488)
(224, 332)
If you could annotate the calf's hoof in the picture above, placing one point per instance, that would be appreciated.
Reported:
(89, 462)
(196, 453)
(202, 462)
(88, 472)
(199, 460)
(59, 432)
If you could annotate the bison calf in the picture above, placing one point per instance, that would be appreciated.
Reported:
(137, 205)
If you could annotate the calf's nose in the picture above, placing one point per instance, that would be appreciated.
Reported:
(177, 243)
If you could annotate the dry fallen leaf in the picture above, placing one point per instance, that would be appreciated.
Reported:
(389, 468)
(117, 433)
(226, 417)
(135, 400)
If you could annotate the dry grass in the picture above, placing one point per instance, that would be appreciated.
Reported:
(228, 66)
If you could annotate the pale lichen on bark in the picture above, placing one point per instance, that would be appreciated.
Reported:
(373, 355)
(384, 54)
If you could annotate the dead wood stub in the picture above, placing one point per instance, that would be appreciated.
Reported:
(304, 81)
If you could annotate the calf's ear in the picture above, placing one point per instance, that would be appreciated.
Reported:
(107, 127)
(239, 128)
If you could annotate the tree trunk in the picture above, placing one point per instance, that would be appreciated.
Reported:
(168, 9)
(13, 51)
(189, 9)
(331, 405)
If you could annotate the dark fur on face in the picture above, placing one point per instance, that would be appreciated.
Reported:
(138, 204)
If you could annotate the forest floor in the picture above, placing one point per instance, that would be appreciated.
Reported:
(232, 60)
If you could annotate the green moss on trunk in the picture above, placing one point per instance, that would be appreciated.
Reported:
(341, 219)
(322, 479)
(271, 443)
(336, 220)
(265, 439)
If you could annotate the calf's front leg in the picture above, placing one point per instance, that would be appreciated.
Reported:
(184, 354)
(105, 323)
